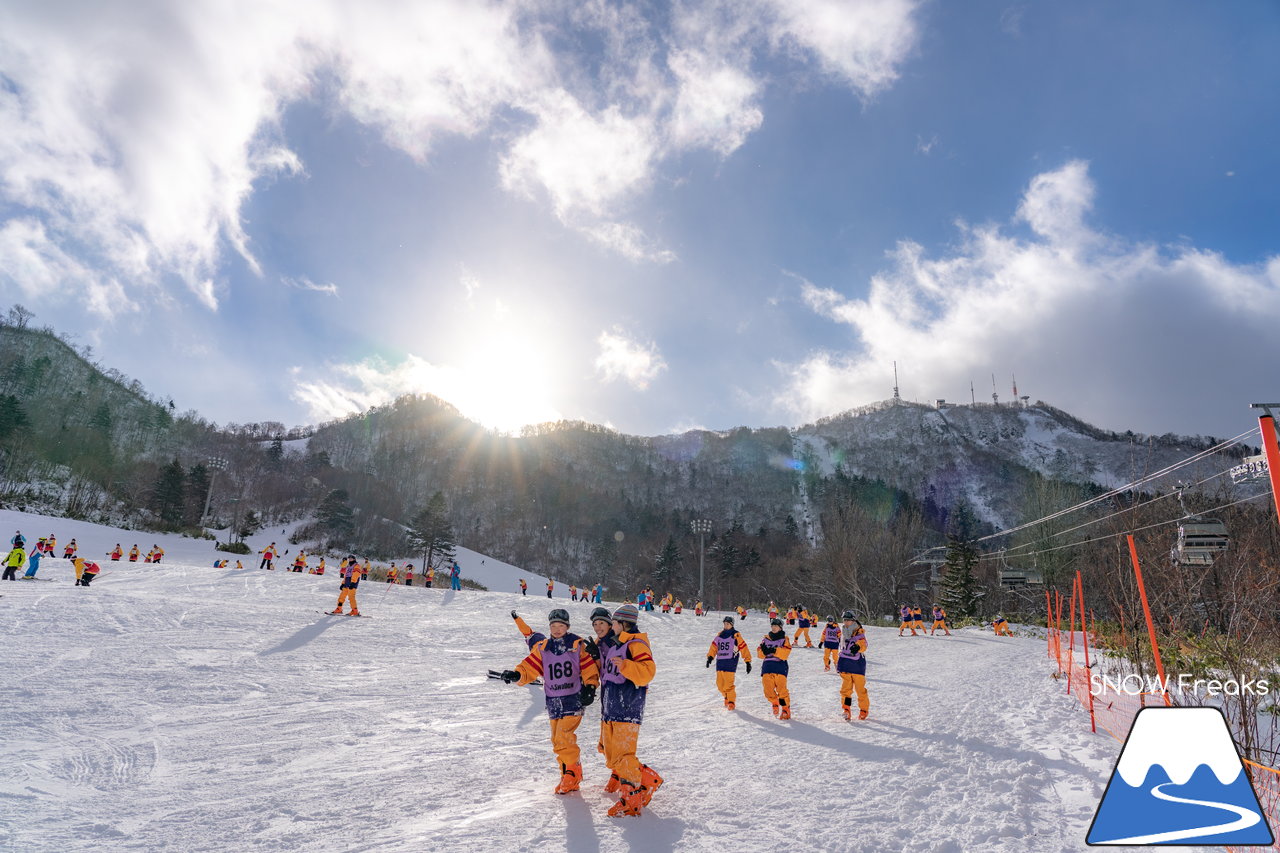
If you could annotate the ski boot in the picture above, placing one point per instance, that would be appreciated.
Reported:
(613, 785)
(862, 715)
(785, 714)
(570, 780)
(650, 782)
(629, 804)
(775, 709)
(353, 612)
(728, 705)
(848, 711)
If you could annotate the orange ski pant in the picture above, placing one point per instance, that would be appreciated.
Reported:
(940, 623)
(564, 740)
(724, 683)
(851, 681)
(775, 689)
(618, 743)
(347, 595)
(800, 631)
(829, 656)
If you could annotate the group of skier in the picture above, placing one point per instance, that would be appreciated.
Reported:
(619, 662)
(86, 570)
(844, 645)
(585, 594)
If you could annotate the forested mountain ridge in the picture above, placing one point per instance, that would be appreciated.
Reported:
(790, 508)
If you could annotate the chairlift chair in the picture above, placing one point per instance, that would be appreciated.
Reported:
(1199, 541)
(1252, 470)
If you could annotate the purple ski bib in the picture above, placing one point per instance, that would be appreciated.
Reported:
(726, 648)
(560, 672)
(847, 647)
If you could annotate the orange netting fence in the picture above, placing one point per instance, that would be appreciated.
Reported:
(1114, 699)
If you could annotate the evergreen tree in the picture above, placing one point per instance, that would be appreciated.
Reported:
(669, 563)
(431, 534)
(275, 454)
(336, 517)
(791, 529)
(962, 592)
(197, 493)
(100, 420)
(12, 417)
(169, 494)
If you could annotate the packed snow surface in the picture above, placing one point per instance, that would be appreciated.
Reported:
(191, 708)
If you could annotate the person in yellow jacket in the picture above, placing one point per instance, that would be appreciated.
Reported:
(697, 609)
(852, 666)
(408, 574)
(117, 552)
(393, 574)
(318, 569)
(300, 561)
(774, 651)
(14, 562)
(627, 669)
(939, 621)
(726, 648)
(78, 562)
(772, 612)
(347, 590)
(679, 606)
(133, 554)
(70, 550)
(156, 553)
(430, 576)
(1001, 626)
(665, 603)
(791, 616)
(741, 611)
(570, 679)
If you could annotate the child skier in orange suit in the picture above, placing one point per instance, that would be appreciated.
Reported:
(569, 679)
(725, 649)
(852, 666)
(774, 651)
(830, 642)
(347, 591)
(1001, 626)
(939, 621)
(806, 619)
(628, 668)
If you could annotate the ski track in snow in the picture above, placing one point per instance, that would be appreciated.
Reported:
(183, 707)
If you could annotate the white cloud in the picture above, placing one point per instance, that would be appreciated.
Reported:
(623, 358)
(1108, 329)
(304, 283)
(135, 133)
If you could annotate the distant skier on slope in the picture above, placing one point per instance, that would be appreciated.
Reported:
(524, 587)
(116, 553)
(133, 554)
(347, 590)
(33, 564)
(90, 572)
(904, 613)
(1001, 626)
(570, 680)
(70, 550)
(551, 585)
(268, 553)
(13, 562)
(408, 574)
(455, 576)
(939, 621)
(628, 669)
(830, 642)
(852, 666)
(917, 619)
(726, 648)
(806, 620)
(774, 651)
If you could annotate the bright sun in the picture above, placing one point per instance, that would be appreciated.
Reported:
(504, 379)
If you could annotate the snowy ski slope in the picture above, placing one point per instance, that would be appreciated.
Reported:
(183, 707)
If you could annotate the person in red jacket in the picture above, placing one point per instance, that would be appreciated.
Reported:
(726, 648)
(569, 684)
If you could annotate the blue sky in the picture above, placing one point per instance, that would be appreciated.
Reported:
(655, 216)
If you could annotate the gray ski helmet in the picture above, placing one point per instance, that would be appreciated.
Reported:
(848, 614)
(558, 615)
(601, 613)
(776, 621)
(729, 619)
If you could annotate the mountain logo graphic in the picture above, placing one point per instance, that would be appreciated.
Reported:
(1179, 780)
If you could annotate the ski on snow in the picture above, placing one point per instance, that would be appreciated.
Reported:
(348, 615)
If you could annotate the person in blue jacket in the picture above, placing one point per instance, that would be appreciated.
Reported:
(33, 565)
(455, 576)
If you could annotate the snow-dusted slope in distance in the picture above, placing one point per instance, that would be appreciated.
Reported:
(183, 707)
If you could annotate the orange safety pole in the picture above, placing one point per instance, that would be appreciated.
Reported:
(1151, 627)
(1267, 426)
(1057, 631)
(1071, 639)
(1093, 725)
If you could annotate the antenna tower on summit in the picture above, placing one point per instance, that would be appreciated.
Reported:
(896, 398)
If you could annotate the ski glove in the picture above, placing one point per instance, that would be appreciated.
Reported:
(709, 660)
(510, 676)
(748, 667)
(592, 648)
(513, 615)
(587, 695)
